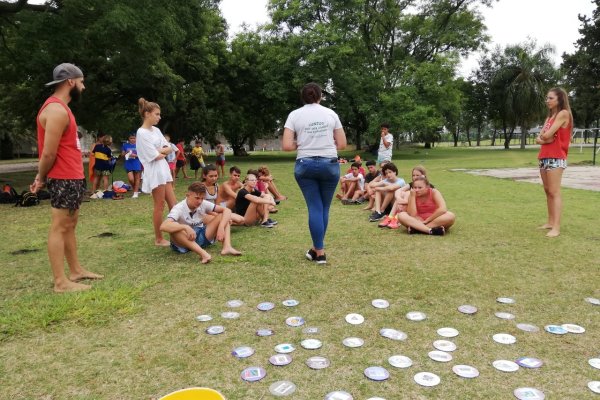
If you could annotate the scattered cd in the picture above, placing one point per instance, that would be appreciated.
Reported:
(215, 329)
(467, 309)
(282, 388)
(527, 393)
(505, 300)
(317, 362)
(594, 386)
(504, 338)
(530, 362)
(447, 332)
(465, 371)
(393, 334)
(377, 373)
(572, 328)
(235, 303)
(440, 356)
(203, 318)
(444, 345)
(264, 332)
(400, 361)
(353, 342)
(416, 316)
(355, 319)
(375, 398)
(284, 348)
(253, 374)
(555, 329)
(504, 315)
(338, 395)
(311, 330)
(266, 306)
(594, 362)
(280, 359)
(242, 352)
(380, 303)
(230, 315)
(593, 300)
(528, 327)
(290, 303)
(505, 366)
(295, 321)
(427, 379)
(311, 344)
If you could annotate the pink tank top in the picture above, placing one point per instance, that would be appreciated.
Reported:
(425, 205)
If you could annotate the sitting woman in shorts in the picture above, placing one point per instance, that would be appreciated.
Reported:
(253, 205)
(426, 211)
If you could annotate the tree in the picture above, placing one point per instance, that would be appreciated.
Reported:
(524, 78)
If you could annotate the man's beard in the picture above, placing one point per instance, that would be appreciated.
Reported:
(75, 94)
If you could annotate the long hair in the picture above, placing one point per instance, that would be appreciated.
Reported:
(563, 102)
(145, 106)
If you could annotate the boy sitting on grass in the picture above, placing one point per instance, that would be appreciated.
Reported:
(188, 232)
(352, 185)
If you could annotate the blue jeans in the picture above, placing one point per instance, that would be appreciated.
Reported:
(317, 178)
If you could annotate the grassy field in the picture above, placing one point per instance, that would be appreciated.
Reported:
(134, 336)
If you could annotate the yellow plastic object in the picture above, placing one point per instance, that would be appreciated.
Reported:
(194, 394)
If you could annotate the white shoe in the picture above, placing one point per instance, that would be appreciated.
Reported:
(135, 195)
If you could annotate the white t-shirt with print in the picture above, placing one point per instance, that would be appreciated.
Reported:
(314, 126)
(182, 214)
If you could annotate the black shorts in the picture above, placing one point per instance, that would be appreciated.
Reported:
(66, 193)
(180, 163)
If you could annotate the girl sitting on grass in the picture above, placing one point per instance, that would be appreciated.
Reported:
(426, 211)
(401, 200)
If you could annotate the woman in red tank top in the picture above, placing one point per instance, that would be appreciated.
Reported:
(554, 138)
(426, 211)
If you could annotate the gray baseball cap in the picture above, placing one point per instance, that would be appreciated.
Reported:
(65, 71)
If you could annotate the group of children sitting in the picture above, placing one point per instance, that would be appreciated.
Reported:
(418, 205)
(209, 209)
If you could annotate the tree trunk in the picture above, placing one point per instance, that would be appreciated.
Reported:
(427, 145)
(469, 135)
(495, 132)
(524, 133)
(478, 135)
(508, 137)
(455, 135)
(239, 150)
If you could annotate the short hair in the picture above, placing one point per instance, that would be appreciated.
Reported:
(234, 169)
(389, 166)
(311, 93)
(355, 164)
(197, 187)
(132, 134)
(371, 162)
(145, 106)
(106, 140)
(217, 142)
(385, 125)
(209, 167)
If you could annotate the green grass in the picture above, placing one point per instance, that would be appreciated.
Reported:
(134, 336)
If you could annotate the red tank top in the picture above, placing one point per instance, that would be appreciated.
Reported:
(68, 163)
(559, 148)
(427, 206)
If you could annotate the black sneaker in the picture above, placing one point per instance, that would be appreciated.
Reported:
(412, 231)
(311, 255)
(266, 224)
(438, 231)
(322, 260)
(272, 221)
(376, 216)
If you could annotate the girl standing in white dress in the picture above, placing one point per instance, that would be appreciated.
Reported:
(152, 149)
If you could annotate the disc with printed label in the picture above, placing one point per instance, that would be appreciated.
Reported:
(416, 316)
(338, 395)
(504, 338)
(377, 373)
(215, 329)
(427, 379)
(527, 393)
(311, 330)
(393, 334)
(253, 374)
(355, 319)
(556, 329)
(284, 348)
(311, 344)
(505, 365)
(572, 328)
(264, 332)
(504, 315)
(280, 359)
(440, 356)
(203, 318)
(444, 345)
(399, 361)
(467, 309)
(529, 362)
(295, 321)
(230, 315)
(318, 362)
(447, 332)
(282, 388)
(380, 303)
(290, 303)
(266, 306)
(353, 342)
(528, 327)
(242, 352)
(235, 303)
(465, 371)
(505, 300)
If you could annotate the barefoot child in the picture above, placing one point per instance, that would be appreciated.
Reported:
(188, 232)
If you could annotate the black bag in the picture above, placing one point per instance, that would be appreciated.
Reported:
(43, 195)
(8, 195)
(27, 199)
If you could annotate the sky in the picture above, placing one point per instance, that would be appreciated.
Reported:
(508, 22)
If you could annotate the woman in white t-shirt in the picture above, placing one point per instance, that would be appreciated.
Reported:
(317, 133)
(152, 149)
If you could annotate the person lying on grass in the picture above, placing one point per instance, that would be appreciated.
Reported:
(426, 210)
(188, 231)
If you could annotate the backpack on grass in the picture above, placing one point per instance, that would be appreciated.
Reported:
(27, 199)
(8, 195)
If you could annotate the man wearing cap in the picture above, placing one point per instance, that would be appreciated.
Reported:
(61, 170)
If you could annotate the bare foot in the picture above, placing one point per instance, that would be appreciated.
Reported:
(69, 286)
(545, 226)
(281, 198)
(84, 274)
(338, 196)
(206, 260)
(231, 251)
(553, 233)
(367, 208)
(162, 243)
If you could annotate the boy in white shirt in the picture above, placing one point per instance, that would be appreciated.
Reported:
(188, 232)
(384, 190)
(352, 185)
